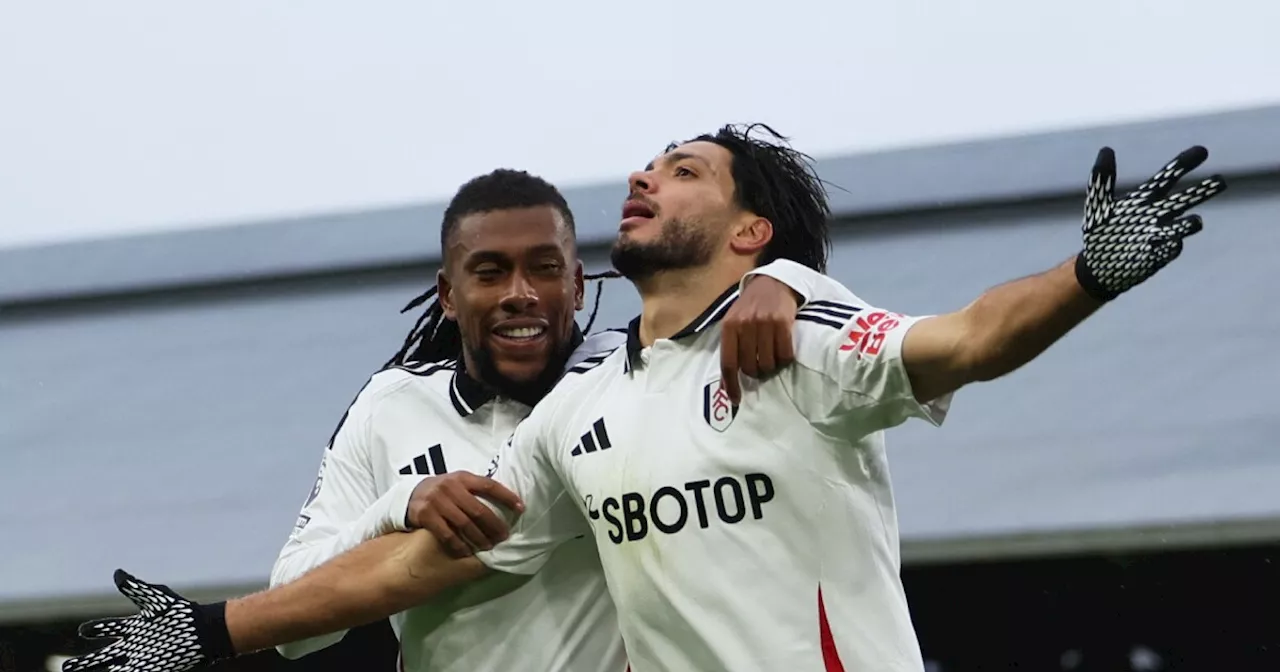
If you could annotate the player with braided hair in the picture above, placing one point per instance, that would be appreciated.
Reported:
(497, 333)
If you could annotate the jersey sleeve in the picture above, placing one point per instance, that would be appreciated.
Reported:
(849, 379)
(526, 465)
(342, 510)
(800, 278)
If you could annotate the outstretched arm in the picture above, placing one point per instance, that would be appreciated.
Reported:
(1125, 243)
(861, 368)
(376, 579)
(173, 634)
(1007, 327)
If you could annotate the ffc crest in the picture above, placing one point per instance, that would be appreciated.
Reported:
(717, 410)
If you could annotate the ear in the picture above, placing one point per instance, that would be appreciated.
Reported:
(579, 288)
(751, 236)
(444, 293)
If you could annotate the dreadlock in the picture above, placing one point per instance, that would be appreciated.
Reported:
(435, 338)
(599, 278)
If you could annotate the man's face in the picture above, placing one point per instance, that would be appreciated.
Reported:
(513, 282)
(678, 212)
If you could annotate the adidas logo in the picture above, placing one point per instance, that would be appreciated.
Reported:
(829, 313)
(430, 463)
(596, 439)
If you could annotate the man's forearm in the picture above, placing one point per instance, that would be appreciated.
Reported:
(376, 579)
(1013, 323)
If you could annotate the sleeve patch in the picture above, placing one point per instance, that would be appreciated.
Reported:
(867, 336)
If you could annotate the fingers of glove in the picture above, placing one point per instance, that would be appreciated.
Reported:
(151, 599)
(1195, 195)
(1163, 251)
(103, 628)
(1105, 165)
(1101, 191)
(1159, 185)
(1182, 227)
(108, 658)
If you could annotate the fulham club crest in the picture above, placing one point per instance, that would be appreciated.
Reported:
(717, 410)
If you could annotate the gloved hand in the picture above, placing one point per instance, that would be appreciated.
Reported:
(169, 633)
(1127, 241)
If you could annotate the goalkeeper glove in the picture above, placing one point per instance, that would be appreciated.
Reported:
(168, 634)
(1127, 241)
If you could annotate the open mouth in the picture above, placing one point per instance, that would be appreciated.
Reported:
(520, 333)
(521, 336)
(635, 212)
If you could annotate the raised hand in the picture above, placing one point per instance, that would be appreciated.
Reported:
(1129, 240)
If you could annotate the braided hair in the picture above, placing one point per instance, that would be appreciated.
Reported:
(435, 338)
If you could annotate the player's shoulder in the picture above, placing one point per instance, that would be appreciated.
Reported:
(824, 317)
(824, 314)
(592, 367)
(400, 378)
(594, 350)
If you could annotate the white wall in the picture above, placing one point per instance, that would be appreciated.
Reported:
(144, 114)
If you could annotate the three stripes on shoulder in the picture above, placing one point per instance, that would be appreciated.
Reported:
(591, 362)
(828, 313)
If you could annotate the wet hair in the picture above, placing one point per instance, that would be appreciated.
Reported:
(779, 184)
(435, 338)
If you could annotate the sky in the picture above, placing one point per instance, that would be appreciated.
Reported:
(148, 115)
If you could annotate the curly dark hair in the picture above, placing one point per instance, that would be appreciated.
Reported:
(780, 184)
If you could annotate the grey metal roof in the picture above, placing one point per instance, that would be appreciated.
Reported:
(175, 433)
(1048, 164)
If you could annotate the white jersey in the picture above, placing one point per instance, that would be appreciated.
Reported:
(409, 423)
(756, 537)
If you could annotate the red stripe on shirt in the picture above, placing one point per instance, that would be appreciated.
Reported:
(830, 656)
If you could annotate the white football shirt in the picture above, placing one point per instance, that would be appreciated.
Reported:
(409, 423)
(758, 537)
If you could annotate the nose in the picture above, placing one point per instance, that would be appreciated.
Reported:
(640, 182)
(520, 294)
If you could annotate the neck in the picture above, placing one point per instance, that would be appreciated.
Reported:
(672, 299)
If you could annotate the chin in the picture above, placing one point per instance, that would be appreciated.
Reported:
(523, 372)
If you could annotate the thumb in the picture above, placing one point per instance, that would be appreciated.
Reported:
(103, 628)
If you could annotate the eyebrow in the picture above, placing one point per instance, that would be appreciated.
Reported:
(675, 157)
(496, 255)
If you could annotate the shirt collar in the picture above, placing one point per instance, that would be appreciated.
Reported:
(701, 323)
(469, 394)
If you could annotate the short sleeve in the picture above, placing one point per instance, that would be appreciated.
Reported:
(550, 518)
(849, 379)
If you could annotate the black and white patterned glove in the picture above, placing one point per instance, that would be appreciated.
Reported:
(169, 633)
(1127, 241)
